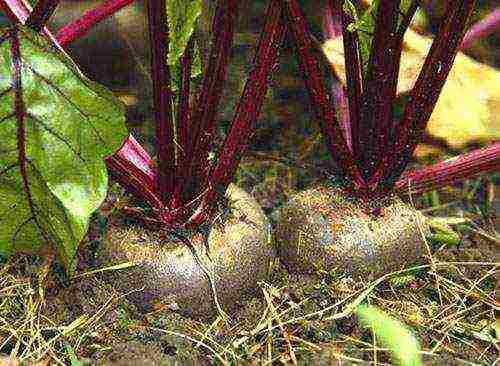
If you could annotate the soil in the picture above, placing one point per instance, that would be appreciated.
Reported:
(449, 304)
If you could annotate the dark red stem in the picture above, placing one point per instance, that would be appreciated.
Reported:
(425, 93)
(332, 29)
(202, 121)
(83, 25)
(132, 167)
(162, 99)
(183, 115)
(379, 91)
(18, 11)
(398, 51)
(407, 18)
(41, 14)
(341, 102)
(466, 166)
(251, 101)
(386, 146)
(332, 25)
(319, 95)
(482, 29)
(354, 72)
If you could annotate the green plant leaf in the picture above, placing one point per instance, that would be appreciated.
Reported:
(182, 18)
(56, 127)
(442, 232)
(350, 9)
(364, 25)
(74, 361)
(394, 335)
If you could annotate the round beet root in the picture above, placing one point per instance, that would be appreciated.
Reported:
(325, 228)
(238, 256)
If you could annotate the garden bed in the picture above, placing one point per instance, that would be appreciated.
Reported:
(448, 301)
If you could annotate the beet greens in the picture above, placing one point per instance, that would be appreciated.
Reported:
(182, 189)
(56, 127)
(184, 183)
(371, 147)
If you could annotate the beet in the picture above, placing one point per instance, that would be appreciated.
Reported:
(239, 251)
(324, 228)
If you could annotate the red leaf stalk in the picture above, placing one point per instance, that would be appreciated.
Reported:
(379, 89)
(482, 29)
(332, 25)
(332, 28)
(251, 101)
(354, 74)
(465, 166)
(320, 97)
(18, 11)
(340, 100)
(398, 51)
(41, 14)
(202, 121)
(162, 98)
(183, 116)
(132, 167)
(83, 25)
(386, 142)
(425, 93)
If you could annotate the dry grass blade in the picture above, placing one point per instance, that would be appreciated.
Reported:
(184, 336)
(276, 317)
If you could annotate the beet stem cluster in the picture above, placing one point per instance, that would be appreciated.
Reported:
(368, 145)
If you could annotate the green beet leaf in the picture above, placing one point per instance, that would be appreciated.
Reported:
(364, 25)
(56, 127)
(182, 18)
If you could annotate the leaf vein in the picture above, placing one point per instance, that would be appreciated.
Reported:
(58, 136)
(20, 112)
(19, 228)
(86, 116)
